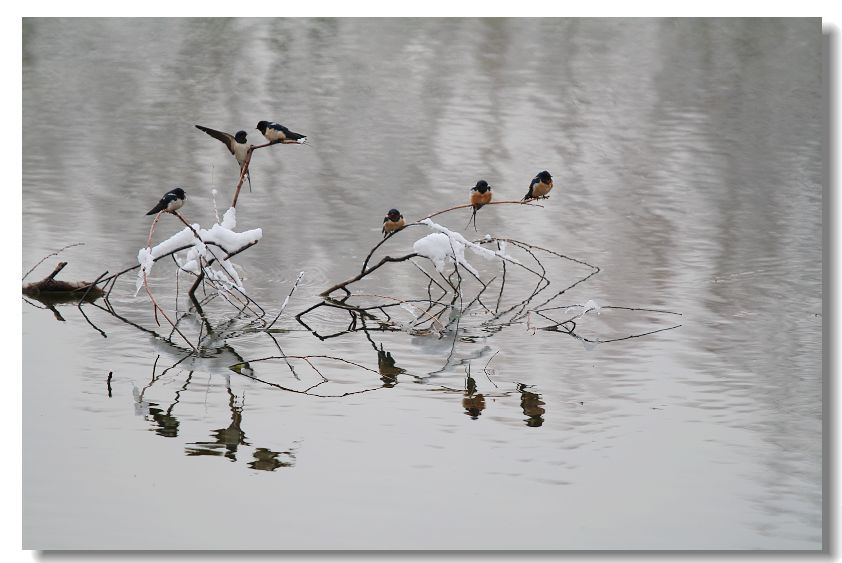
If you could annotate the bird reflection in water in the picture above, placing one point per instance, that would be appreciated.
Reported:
(472, 402)
(388, 370)
(166, 423)
(227, 440)
(532, 405)
(267, 460)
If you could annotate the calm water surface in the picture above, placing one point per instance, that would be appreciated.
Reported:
(687, 164)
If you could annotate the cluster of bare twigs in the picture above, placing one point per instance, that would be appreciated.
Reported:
(229, 291)
(489, 300)
(446, 295)
(50, 291)
(227, 442)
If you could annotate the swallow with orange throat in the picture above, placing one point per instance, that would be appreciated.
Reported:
(540, 186)
(480, 195)
(392, 222)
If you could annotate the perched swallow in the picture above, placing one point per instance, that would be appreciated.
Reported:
(171, 201)
(480, 195)
(237, 145)
(393, 221)
(277, 133)
(540, 186)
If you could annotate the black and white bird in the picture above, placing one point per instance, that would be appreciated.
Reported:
(171, 201)
(237, 145)
(277, 133)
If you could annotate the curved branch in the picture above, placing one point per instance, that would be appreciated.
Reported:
(364, 273)
(418, 222)
(51, 254)
(245, 169)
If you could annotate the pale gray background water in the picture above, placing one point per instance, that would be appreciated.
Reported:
(687, 161)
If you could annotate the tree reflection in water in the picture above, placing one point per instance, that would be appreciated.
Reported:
(449, 318)
(226, 440)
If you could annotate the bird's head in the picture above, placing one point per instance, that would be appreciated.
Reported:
(261, 126)
(240, 137)
(545, 177)
(482, 186)
(393, 215)
(179, 193)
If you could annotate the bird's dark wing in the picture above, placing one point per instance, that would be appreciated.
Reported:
(532, 183)
(160, 207)
(291, 135)
(226, 138)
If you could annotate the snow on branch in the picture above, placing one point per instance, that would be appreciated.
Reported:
(209, 247)
(451, 247)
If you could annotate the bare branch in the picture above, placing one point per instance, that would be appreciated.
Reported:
(56, 253)
(364, 273)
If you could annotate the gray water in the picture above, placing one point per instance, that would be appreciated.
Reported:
(687, 161)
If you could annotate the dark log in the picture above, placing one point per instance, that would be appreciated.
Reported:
(58, 291)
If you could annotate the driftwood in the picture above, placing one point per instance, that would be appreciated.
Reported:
(62, 290)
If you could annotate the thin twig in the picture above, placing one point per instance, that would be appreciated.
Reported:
(93, 285)
(157, 307)
(58, 268)
(56, 253)
(437, 213)
(291, 291)
(244, 170)
(364, 273)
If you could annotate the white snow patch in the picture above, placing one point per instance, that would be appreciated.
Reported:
(146, 261)
(441, 250)
(410, 308)
(229, 220)
(475, 248)
(202, 251)
(228, 239)
(183, 237)
(591, 305)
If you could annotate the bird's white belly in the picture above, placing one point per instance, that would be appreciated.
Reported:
(240, 152)
(175, 204)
